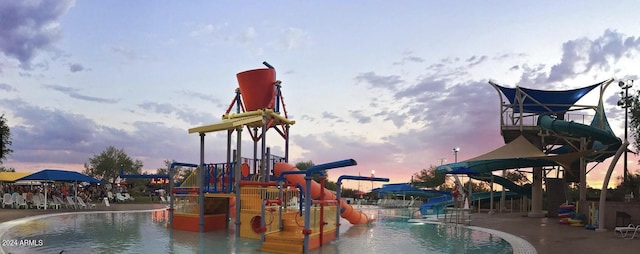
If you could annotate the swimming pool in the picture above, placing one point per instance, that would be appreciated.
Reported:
(146, 232)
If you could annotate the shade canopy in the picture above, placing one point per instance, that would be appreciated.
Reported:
(12, 176)
(541, 101)
(57, 175)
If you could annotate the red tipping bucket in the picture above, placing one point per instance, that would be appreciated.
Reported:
(256, 88)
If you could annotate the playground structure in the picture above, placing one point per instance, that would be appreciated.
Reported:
(546, 130)
(267, 198)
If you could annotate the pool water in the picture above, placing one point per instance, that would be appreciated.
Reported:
(146, 232)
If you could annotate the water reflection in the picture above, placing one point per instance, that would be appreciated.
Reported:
(147, 232)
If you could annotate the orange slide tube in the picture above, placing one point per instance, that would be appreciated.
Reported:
(346, 210)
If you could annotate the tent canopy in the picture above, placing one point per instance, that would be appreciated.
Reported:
(12, 176)
(57, 175)
(519, 153)
(555, 101)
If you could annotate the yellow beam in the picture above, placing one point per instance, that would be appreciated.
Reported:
(227, 124)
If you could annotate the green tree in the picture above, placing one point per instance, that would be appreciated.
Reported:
(429, 178)
(631, 185)
(3, 169)
(304, 165)
(106, 165)
(5, 139)
(517, 177)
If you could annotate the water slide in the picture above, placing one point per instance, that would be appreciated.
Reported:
(436, 205)
(506, 183)
(346, 211)
(602, 136)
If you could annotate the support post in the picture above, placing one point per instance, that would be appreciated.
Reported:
(605, 184)
(201, 183)
(236, 183)
(583, 208)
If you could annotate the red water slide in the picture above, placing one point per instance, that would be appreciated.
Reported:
(346, 210)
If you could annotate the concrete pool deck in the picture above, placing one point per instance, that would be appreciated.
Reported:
(545, 234)
(549, 236)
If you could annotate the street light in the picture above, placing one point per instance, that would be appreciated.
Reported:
(625, 102)
(455, 154)
(373, 174)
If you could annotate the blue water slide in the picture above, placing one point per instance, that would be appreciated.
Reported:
(524, 190)
(602, 137)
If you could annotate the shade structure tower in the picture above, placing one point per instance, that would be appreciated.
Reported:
(547, 131)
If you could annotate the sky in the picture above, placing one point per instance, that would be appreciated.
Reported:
(394, 85)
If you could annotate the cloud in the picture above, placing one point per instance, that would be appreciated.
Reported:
(55, 136)
(205, 97)
(73, 93)
(378, 81)
(249, 35)
(360, 116)
(132, 55)
(27, 27)
(582, 55)
(7, 87)
(76, 67)
(188, 115)
(292, 38)
(207, 29)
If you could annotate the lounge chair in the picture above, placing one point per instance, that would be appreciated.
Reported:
(54, 203)
(7, 200)
(71, 202)
(60, 201)
(21, 202)
(628, 230)
(127, 196)
(120, 198)
(37, 202)
(82, 204)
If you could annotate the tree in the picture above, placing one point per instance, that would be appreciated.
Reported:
(5, 139)
(106, 165)
(429, 178)
(304, 165)
(631, 185)
(3, 169)
(634, 119)
(516, 177)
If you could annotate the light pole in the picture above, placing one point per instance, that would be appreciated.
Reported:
(625, 102)
(455, 154)
(373, 174)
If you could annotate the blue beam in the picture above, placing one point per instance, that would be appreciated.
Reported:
(317, 169)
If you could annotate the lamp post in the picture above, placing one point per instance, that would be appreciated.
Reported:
(455, 154)
(373, 174)
(625, 102)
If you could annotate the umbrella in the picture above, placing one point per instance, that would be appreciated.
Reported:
(58, 175)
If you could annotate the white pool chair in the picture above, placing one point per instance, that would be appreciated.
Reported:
(71, 203)
(120, 198)
(60, 201)
(37, 202)
(82, 204)
(628, 230)
(20, 202)
(7, 200)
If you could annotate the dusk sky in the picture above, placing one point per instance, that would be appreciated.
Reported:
(393, 85)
